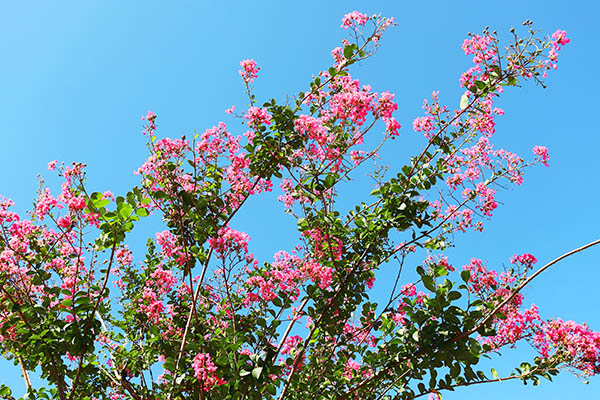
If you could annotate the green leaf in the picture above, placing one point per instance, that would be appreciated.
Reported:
(142, 212)
(5, 391)
(480, 85)
(96, 196)
(222, 361)
(348, 51)
(329, 181)
(271, 389)
(102, 203)
(465, 275)
(454, 295)
(429, 283)
(125, 211)
(169, 364)
(494, 373)
(256, 372)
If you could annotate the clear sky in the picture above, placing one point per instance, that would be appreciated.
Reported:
(76, 76)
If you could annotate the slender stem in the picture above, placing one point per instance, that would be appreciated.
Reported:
(289, 327)
(25, 373)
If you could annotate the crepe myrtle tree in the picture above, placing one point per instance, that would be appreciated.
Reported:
(199, 317)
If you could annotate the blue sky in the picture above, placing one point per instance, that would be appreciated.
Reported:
(76, 77)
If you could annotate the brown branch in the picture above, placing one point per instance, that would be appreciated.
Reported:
(25, 373)
(522, 285)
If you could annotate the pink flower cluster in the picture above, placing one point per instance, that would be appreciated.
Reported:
(229, 241)
(163, 280)
(577, 345)
(337, 122)
(249, 70)
(559, 38)
(350, 368)
(151, 305)
(492, 287)
(155, 169)
(354, 19)
(338, 56)
(287, 273)
(351, 102)
(215, 142)
(527, 260)
(205, 371)
(170, 249)
(124, 256)
(473, 168)
(324, 246)
(257, 116)
(424, 124)
(46, 202)
(485, 53)
(542, 153)
(409, 292)
(480, 47)
(150, 128)
(438, 261)
(291, 194)
(290, 344)
(166, 169)
(562, 342)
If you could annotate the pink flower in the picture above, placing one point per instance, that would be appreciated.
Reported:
(77, 203)
(524, 259)
(354, 18)
(478, 45)
(150, 116)
(258, 116)
(542, 152)
(561, 37)
(249, 70)
(312, 127)
(392, 126)
(290, 344)
(424, 124)
(45, 203)
(204, 371)
(64, 222)
(578, 344)
(52, 165)
(386, 105)
(124, 256)
(338, 55)
(350, 367)
(229, 240)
